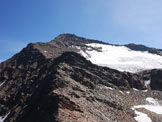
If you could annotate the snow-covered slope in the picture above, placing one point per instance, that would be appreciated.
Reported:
(152, 106)
(121, 57)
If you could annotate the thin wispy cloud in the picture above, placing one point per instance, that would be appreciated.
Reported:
(139, 15)
(140, 20)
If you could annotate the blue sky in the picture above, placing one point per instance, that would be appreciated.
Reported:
(112, 21)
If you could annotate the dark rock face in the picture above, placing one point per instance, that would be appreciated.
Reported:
(50, 82)
(144, 48)
(156, 80)
(155, 77)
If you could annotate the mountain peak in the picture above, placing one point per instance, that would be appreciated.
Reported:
(65, 36)
(72, 39)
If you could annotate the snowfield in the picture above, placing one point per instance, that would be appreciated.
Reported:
(141, 117)
(152, 105)
(121, 58)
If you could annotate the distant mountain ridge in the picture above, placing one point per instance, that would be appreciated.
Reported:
(144, 48)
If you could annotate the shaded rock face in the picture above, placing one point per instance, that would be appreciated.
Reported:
(155, 77)
(156, 80)
(144, 48)
(50, 82)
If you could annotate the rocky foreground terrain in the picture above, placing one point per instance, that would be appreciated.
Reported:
(52, 82)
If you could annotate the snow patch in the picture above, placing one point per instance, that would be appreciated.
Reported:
(144, 90)
(152, 101)
(2, 83)
(2, 118)
(121, 58)
(147, 82)
(121, 92)
(128, 92)
(135, 89)
(153, 106)
(108, 88)
(141, 117)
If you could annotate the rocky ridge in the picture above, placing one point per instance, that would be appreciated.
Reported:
(51, 82)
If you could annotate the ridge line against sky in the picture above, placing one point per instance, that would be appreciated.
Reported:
(112, 21)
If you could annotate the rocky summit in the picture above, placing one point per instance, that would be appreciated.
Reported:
(74, 79)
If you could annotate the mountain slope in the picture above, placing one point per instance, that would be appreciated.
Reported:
(131, 58)
(51, 82)
(57, 90)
